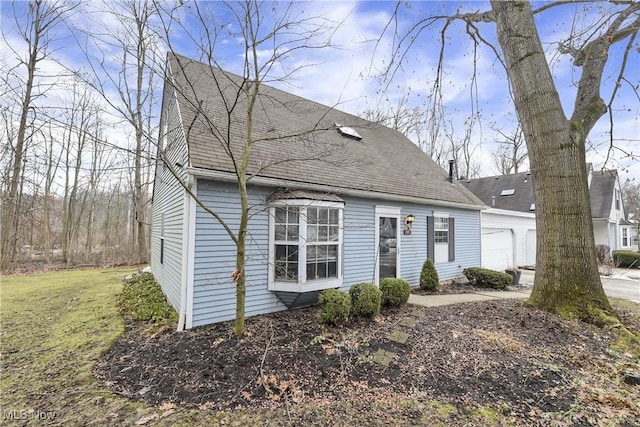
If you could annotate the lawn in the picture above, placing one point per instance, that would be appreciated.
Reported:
(56, 327)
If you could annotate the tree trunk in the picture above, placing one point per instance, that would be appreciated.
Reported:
(567, 280)
(239, 274)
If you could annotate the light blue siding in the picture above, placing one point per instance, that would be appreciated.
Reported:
(214, 291)
(168, 199)
(359, 242)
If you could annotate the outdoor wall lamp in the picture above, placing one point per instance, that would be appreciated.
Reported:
(408, 220)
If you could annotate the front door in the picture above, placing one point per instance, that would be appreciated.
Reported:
(387, 220)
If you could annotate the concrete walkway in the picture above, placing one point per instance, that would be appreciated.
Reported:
(436, 300)
(623, 283)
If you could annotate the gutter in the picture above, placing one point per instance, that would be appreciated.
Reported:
(276, 182)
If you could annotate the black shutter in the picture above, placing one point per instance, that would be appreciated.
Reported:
(430, 239)
(452, 240)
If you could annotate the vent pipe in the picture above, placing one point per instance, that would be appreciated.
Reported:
(451, 163)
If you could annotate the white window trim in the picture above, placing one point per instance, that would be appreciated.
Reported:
(302, 285)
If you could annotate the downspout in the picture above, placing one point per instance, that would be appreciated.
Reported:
(186, 227)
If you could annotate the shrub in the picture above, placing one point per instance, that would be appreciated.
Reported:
(334, 307)
(395, 292)
(365, 299)
(429, 276)
(602, 253)
(142, 299)
(488, 278)
(629, 259)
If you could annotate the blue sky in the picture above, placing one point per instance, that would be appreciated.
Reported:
(344, 75)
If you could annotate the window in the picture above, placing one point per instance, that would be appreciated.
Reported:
(508, 192)
(625, 236)
(617, 196)
(440, 238)
(441, 227)
(306, 248)
(162, 238)
(348, 131)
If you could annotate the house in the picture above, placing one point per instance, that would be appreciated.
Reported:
(334, 200)
(509, 227)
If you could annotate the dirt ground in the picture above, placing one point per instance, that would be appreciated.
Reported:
(528, 367)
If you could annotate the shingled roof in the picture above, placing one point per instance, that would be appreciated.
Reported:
(301, 141)
(495, 191)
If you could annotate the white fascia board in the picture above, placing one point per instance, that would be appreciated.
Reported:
(506, 212)
(276, 182)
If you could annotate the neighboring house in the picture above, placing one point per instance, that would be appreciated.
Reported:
(329, 206)
(509, 227)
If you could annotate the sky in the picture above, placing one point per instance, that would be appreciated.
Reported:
(347, 74)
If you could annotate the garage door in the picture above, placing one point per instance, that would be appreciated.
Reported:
(497, 248)
(531, 247)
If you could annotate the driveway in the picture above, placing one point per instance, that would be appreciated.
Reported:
(624, 283)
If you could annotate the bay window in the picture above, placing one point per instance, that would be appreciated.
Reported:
(305, 245)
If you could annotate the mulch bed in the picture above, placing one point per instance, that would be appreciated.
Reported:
(500, 352)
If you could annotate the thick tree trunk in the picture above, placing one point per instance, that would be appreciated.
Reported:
(567, 280)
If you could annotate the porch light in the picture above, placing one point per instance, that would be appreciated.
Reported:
(408, 220)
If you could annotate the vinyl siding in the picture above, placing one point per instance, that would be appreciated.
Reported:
(214, 291)
(169, 198)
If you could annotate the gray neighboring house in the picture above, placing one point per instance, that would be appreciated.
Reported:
(508, 226)
(330, 197)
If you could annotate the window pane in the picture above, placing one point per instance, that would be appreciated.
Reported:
(311, 271)
(322, 270)
(292, 217)
(292, 253)
(334, 233)
(324, 216)
(280, 270)
(332, 252)
(292, 232)
(312, 215)
(322, 252)
(312, 233)
(323, 234)
(281, 252)
(311, 253)
(332, 269)
(280, 232)
(334, 216)
(292, 271)
(281, 215)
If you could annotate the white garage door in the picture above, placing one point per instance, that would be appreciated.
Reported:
(531, 247)
(497, 248)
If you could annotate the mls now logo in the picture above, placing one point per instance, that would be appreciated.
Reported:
(24, 414)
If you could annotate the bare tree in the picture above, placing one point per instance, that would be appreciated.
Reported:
(511, 153)
(134, 80)
(37, 31)
(261, 27)
(567, 280)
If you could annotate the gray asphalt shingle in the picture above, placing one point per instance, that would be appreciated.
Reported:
(297, 139)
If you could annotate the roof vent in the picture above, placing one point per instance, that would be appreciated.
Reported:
(348, 131)
(532, 207)
(508, 192)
